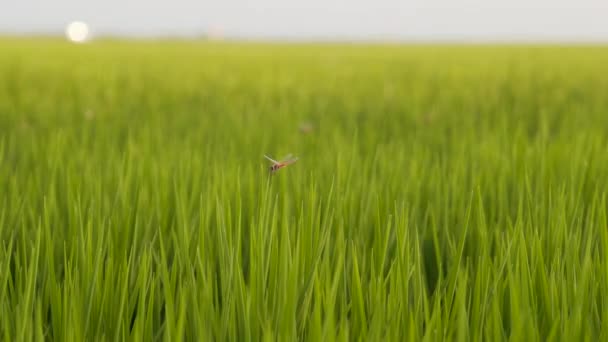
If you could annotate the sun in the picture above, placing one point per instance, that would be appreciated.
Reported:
(77, 32)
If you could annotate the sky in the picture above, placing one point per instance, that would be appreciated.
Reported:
(433, 20)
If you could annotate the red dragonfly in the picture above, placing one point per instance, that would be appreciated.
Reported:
(276, 165)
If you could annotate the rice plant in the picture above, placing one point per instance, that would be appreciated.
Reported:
(441, 192)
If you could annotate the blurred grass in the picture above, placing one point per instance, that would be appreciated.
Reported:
(446, 192)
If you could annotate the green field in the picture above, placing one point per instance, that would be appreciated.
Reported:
(445, 192)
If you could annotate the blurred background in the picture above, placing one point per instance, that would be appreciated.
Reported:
(319, 20)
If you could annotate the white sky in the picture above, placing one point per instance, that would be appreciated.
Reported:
(529, 20)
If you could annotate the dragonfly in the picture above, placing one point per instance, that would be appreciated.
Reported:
(306, 128)
(276, 165)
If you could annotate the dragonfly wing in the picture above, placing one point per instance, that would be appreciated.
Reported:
(287, 158)
(290, 161)
(272, 160)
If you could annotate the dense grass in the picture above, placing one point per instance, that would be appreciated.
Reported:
(446, 192)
